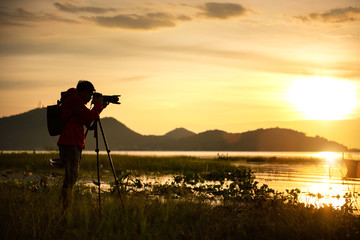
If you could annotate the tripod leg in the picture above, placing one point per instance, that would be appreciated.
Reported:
(97, 162)
(111, 162)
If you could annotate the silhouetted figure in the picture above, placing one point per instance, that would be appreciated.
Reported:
(75, 115)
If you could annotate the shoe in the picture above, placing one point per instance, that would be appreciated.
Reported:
(57, 163)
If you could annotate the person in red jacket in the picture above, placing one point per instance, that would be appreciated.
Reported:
(75, 115)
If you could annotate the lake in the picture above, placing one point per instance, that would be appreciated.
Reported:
(326, 177)
(317, 173)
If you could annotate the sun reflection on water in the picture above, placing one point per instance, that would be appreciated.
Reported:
(322, 183)
(331, 157)
(328, 193)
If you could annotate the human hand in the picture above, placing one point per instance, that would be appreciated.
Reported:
(97, 98)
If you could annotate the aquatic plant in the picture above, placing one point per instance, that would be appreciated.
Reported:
(204, 200)
(34, 212)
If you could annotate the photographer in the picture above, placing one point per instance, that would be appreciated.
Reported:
(75, 115)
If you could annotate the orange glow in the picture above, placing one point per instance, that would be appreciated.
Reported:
(172, 70)
(324, 98)
(331, 157)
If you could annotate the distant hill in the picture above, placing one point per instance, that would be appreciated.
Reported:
(179, 133)
(272, 139)
(345, 131)
(28, 131)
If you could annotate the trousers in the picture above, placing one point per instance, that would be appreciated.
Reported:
(71, 156)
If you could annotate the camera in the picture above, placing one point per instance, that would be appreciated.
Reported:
(108, 98)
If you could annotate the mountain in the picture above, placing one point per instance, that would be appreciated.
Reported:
(28, 131)
(179, 133)
(272, 139)
(345, 131)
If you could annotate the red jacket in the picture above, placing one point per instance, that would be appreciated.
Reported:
(74, 114)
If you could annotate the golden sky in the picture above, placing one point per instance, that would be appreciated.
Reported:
(195, 64)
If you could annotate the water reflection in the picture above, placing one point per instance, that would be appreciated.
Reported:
(330, 157)
(314, 180)
(207, 154)
(320, 182)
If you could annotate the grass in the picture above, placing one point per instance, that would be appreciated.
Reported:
(186, 208)
(30, 211)
(142, 164)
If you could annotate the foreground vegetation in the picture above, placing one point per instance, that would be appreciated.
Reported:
(207, 199)
(141, 164)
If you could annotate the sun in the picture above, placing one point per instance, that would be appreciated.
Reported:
(324, 98)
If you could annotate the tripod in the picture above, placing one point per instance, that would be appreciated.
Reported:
(94, 127)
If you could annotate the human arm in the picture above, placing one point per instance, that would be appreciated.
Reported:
(84, 115)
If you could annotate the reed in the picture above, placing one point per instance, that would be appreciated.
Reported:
(32, 211)
(142, 164)
(186, 208)
(36, 162)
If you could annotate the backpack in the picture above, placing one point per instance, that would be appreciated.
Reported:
(53, 118)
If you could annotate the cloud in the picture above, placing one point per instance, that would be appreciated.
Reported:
(66, 7)
(336, 15)
(223, 10)
(155, 20)
(134, 21)
(22, 16)
(145, 21)
(134, 78)
(15, 84)
(184, 18)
